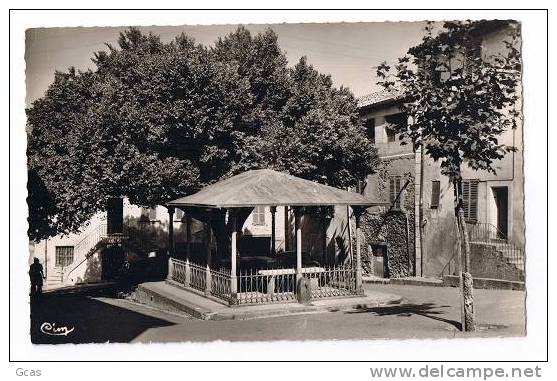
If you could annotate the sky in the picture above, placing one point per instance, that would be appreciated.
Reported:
(346, 51)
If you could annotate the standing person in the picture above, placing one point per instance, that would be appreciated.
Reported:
(36, 275)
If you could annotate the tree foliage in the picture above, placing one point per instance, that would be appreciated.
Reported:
(460, 98)
(158, 120)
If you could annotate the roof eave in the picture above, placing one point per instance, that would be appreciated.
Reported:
(366, 204)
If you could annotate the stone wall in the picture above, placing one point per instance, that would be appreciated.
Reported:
(487, 262)
(394, 228)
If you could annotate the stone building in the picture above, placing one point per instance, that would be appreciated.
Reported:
(417, 235)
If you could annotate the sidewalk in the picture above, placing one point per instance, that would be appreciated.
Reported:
(83, 288)
(407, 281)
(167, 297)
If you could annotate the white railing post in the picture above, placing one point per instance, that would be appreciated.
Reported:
(170, 274)
(187, 273)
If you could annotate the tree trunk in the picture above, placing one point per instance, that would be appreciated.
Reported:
(468, 323)
(467, 281)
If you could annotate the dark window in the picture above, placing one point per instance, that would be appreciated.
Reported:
(435, 193)
(391, 134)
(369, 125)
(64, 256)
(394, 190)
(395, 123)
(259, 215)
(470, 200)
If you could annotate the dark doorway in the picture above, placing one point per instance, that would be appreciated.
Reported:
(380, 259)
(501, 196)
(112, 260)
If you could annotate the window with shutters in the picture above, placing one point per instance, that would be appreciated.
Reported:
(64, 256)
(470, 200)
(435, 193)
(394, 189)
(259, 215)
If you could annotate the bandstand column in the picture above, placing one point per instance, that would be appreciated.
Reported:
(273, 228)
(170, 240)
(233, 257)
(188, 249)
(171, 230)
(208, 252)
(358, 214)
(324, 236)
(298, 227)
(188, 237)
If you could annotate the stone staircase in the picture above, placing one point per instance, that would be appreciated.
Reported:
(512, 254)
(492, 255)
(54, 278)
(487, 234)
(87, 246)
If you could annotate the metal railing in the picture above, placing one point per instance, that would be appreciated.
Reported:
(177, 271)
(489, 234)
(197, 277)
(261, 286)
(333, 281)
(82, 248)
(484, 232)
(220, 284)
(266, 286)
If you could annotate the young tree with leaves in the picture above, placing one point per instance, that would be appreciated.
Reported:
(459, 99)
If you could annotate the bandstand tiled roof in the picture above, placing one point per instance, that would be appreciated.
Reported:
(379, 97)
(266, 187)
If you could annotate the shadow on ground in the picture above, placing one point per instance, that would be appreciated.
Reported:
(428, 310)
(93, 321)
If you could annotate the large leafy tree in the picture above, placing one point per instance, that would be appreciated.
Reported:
(155, 121)
(460, 98)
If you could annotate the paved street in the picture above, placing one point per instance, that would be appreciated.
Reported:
(430, 312)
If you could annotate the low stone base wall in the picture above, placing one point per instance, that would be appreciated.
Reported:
(487, 262)
(486, 283)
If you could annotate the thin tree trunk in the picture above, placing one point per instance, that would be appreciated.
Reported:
(459, 269)
(466, 282)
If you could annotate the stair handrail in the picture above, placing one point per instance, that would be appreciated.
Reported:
(442, 273)
(508, 249)
(82, 248)
(493, 231)
(97, 235)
